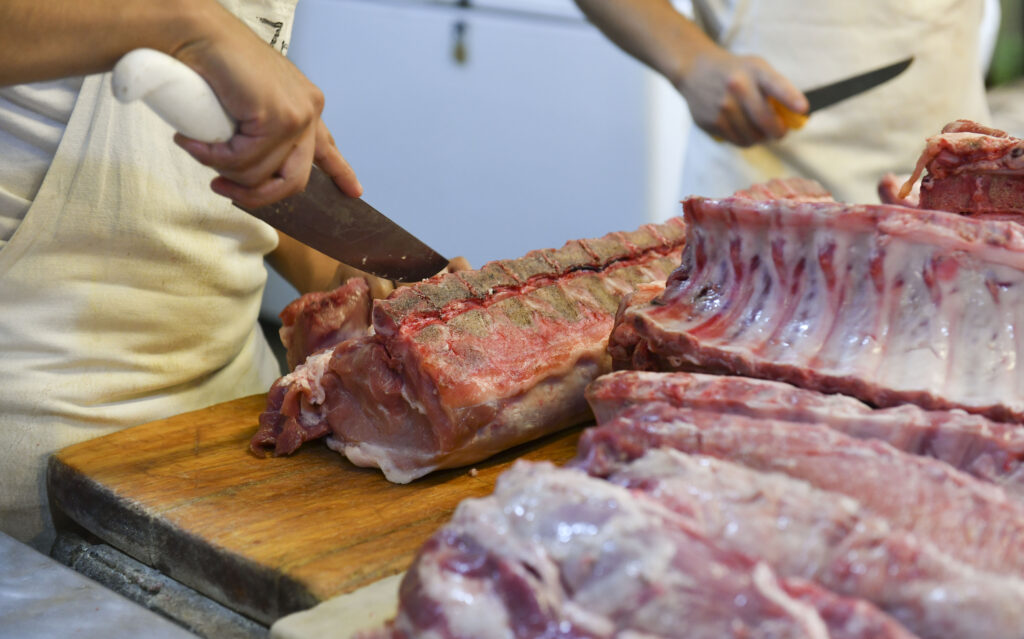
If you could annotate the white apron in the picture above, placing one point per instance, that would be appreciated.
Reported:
(128, 293)
(850, 145)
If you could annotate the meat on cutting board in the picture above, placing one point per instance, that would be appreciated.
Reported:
(971, 520)
(471, 363)
(972, 169)
(802, 531)
(322, 320)
(556, 553)
(880, 302)
(989, 450)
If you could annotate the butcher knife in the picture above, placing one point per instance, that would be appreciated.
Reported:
(827, 95)
(343, 227)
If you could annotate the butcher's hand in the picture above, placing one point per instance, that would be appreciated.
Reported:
(280, 132)
(729, 97)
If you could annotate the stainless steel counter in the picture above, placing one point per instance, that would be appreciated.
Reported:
(42, 598)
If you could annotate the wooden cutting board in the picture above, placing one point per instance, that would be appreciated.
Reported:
(264, 536)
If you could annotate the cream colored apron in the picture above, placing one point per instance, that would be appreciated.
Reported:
(128, 293)
(848, 146)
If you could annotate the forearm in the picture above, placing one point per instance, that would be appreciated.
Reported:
(653, 32)
(52, 39)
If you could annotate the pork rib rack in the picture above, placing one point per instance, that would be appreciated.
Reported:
(884, 303)
(468, 364)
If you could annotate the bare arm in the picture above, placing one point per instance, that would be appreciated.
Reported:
(278, 109)
(727, 94)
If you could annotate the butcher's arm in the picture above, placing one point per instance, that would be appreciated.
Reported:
(277, 108)
(727, 94)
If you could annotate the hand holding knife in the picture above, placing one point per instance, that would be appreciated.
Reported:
(343, 227)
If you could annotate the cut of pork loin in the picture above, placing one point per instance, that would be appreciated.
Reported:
(971, 169)
(971, 520)
(468, 364)
(556, 553)
(322, 320)
(801, 531)
(880, 302)
(990, 450)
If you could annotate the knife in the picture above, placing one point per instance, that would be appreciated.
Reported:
(321, 216)
(829, 94)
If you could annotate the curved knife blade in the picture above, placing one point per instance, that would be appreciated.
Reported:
(351, 231)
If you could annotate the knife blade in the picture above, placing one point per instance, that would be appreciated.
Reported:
(351, 231)
(825, 96)
(321, 216)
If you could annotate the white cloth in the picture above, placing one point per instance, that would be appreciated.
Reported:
(32, 121)
(850, 145)
(129, 292)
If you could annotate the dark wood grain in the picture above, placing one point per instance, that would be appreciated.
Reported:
(266, 537)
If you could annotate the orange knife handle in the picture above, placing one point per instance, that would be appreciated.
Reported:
(792, 119)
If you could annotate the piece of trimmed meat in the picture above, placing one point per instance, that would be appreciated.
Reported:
(468, 364)
(993, 451)
(971, 169)
(322, 320)
(880, 302)
(555, 553)
(971, 520)
(801, 531)
(889, 191)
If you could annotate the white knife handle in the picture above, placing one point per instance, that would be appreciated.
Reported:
(175, 92)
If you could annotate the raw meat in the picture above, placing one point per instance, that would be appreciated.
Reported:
(880, 302)
(554, 553)
(804, 532)
(973, 521)
(471, 363)
(971, 169)
(990, 450)
(322, 320)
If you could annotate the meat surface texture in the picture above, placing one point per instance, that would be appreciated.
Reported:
(971, 520)
(971, 169)
(993, 451)
(556, 553)
(322, 320)
(801, 531)
(471, 363)
(880, 302)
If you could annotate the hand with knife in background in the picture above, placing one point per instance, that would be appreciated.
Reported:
(729, 95)
(738, 66)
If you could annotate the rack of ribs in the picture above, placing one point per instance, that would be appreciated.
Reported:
(880, 302)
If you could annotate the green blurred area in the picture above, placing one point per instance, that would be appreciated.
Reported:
(1008, 58)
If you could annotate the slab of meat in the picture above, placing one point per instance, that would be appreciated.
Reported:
(555, 553)
(972, 169)
(883, 303)
(971, 520)
(471, 363)
(801, 531)
(989, 450)
(322, 320)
